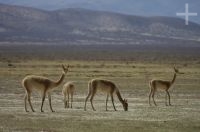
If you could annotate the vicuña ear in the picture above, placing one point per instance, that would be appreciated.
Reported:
(175, 68)
(63, 67)
(67, 66)
(125, 100)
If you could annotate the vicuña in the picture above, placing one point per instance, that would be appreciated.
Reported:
(107, 87)
(42, 85)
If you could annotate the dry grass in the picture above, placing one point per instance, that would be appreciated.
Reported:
(132, 79)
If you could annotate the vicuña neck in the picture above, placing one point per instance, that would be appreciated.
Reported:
(60, 80)
(174, 78)
(119, 96)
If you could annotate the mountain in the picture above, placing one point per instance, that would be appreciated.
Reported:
(133, 7)
(76, 25)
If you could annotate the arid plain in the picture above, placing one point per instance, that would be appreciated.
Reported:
(130, 73)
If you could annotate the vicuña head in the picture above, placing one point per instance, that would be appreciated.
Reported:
(125, 105)
(177, 70)
(65, 68)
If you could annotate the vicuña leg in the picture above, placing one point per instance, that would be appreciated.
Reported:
(71, 99)
(29, 100)
(113, 102)
(107, 102)
(67, 99)
(166, 101)
(168, 97)
(89, 94)
(49, 97)
(153, 98)
(91, 100)
(25, 100)
(43, 98)
(150, 94)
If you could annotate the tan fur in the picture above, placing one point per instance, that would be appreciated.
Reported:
(41, 84)
(108, 88)
(68, 90)
(156, 84)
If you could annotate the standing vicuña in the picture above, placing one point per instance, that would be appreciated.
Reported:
(68, 89)
(163, 85)
(41, 84)
(106, 86)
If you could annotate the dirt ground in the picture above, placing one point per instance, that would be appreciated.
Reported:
(132, 80)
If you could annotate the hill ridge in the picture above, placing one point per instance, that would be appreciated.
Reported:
(77, 25)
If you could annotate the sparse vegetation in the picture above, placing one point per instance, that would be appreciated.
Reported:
(131, 78)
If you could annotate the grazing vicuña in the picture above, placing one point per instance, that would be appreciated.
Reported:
(106, 86)
(68, 89)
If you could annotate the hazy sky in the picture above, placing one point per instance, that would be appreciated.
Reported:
(135, 7)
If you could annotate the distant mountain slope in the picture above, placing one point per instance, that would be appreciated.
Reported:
(70, 25)
(133, 7)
